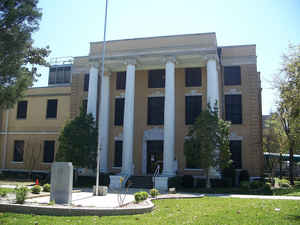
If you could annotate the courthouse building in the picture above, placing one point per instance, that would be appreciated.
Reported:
(151, 92)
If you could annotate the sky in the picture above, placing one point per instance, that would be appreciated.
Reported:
(68, 26)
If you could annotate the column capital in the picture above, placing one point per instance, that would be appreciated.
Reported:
(211, 57)
(167, 59)
(129, 61)
(94, 64)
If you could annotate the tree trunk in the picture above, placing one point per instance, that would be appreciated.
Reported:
(207, 178)
(291, 166)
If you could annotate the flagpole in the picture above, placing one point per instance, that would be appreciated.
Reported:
(102, 74)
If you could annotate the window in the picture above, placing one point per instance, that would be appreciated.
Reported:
(49, 151)
(86, 82)
(156, 110)
(233, 108)
(232, 75)
(236, 154)
(156, 79)
(193, 107)
(84, 105)
(60, 74)
(118, 153)
(193, 77)
(121, 80)
(119, 111)
(22, 110)
(51, 108)
(19, 151)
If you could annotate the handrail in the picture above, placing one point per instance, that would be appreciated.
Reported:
(156, 172)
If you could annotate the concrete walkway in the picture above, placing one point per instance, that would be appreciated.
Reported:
(87, 199)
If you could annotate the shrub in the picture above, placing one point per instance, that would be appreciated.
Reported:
(188, 181)
(200, 183)
(229, 173)
(284, 183)
(244, 176)
(154, 192)
(245, 184)
(256, 184)
(3, 193)
(217, 183)
(46, 188)
(21, 193)
(140, 196)
(175, 182)
(36, 189)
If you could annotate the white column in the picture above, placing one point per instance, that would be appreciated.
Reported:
(212, 82)
(93, 89)
(103, 124)
(213, 95)
(128, 125)
(169, 118)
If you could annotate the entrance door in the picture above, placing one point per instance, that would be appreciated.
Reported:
(154, 156)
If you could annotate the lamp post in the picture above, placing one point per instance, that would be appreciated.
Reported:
(102, 74)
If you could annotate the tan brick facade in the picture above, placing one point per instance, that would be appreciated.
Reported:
(70, 99)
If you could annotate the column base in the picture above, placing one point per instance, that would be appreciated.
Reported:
(116, 181)
(161, 183)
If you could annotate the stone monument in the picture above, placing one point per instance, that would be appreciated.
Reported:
(61, 182)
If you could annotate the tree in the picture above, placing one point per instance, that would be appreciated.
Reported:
(78, 141)
(289, 102)
(33, 153)
(207, 144)
(274, 141)
(18, 58)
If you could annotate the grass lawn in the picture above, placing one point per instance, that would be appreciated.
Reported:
(208, 210)
(7, 190)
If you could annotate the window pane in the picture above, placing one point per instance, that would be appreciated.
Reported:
(193, 108)
(156, 110)
(51, 108)
(49, 151)
(156, 79)
(52, 74)
(84, 105)
(233, 108)
(193, 77)
(232, 75)
(19, 151)
(119, 111)
(118, 153)
(86, 82)
(67, 74)
(236, 153)
(60, 75)
(22, 110)
(121, 80)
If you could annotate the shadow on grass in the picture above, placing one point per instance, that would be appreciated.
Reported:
(294, 217)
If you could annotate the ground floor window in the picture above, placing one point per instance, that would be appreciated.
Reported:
(236, 153)
(118, 153)
(19, 151)
(49, 147)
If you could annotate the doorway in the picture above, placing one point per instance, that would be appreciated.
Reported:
(154, 156)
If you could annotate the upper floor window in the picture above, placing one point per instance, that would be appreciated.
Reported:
(51, 108)
(156, 110)
(156, 79)
(233, 108)
(18, 151)
(22, 110)
(193, 77)
(118, 153)
(193, 108)
(121, 81)
(49, 147)
(236, 153)
(119, 111)
(232, 75)
(86, 82)
(60, 75)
